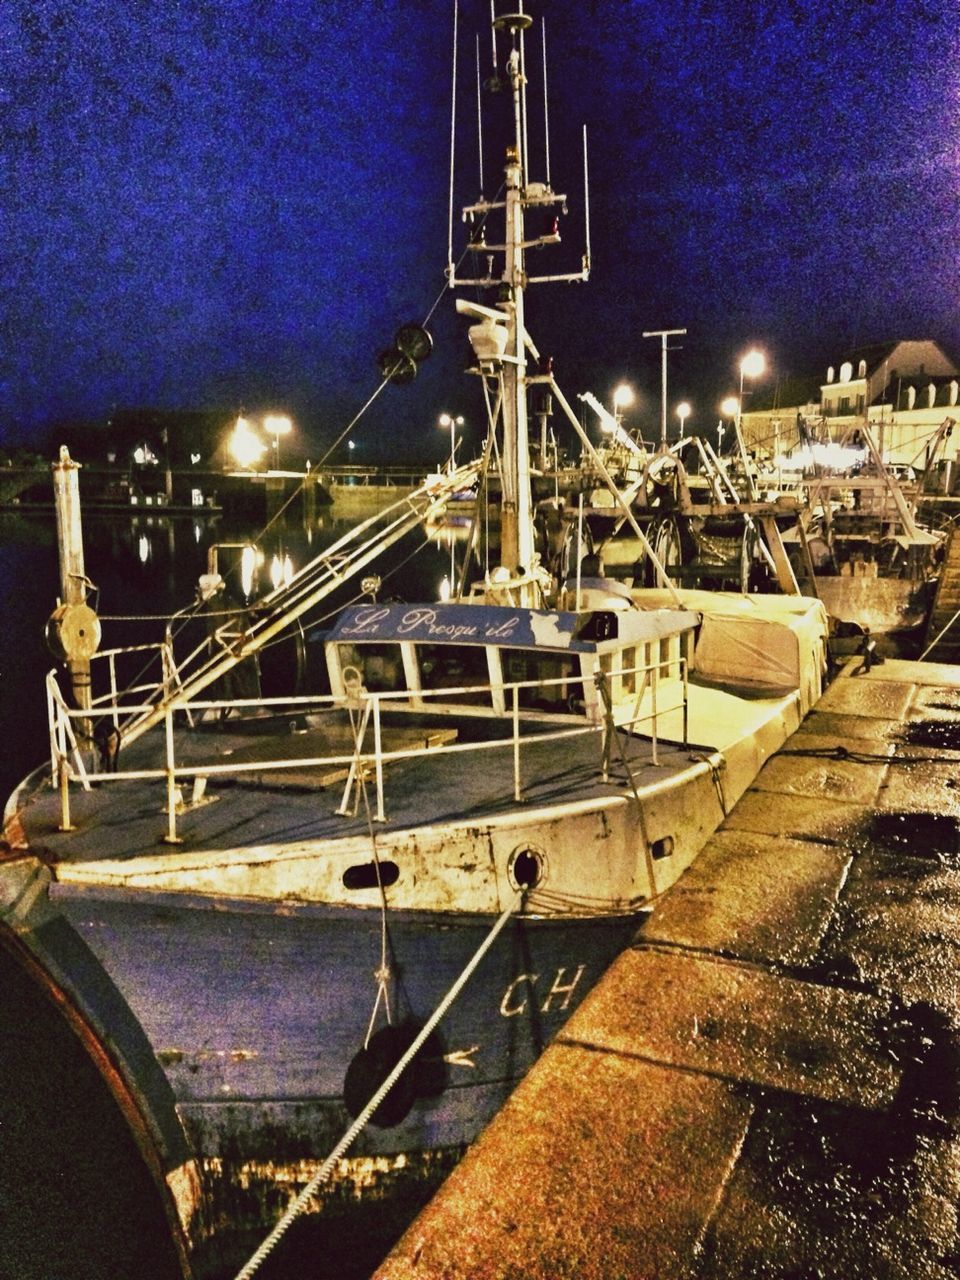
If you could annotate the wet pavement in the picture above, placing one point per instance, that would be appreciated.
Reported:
(767, 1084)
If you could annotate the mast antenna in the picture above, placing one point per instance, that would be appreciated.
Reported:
(546, 105)
(453, 131)
(586, 205)
(523, 97)
(479, 125)
(493, 38)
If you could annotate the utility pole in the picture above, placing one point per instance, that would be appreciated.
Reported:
(663, 335)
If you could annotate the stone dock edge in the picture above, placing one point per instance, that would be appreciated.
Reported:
(767, 1082)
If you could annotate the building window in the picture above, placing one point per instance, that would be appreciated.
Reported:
(954, 388)
(931, 396)
(911, 397)
(830, 374)
(844, 406)
(846, 371)
(861, 401)
(862, 369)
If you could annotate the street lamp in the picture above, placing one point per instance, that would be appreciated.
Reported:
(752, 366)
(683, 413)
(622, 399)
(729, 408)
(446, 420)
(244, 445)
(277, 425)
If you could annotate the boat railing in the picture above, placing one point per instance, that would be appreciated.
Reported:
(642, 715)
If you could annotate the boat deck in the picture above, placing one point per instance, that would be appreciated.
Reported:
(287, 802)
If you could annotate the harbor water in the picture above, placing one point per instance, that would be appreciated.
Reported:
(141, 569)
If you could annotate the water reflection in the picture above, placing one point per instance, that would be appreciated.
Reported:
(145, 568)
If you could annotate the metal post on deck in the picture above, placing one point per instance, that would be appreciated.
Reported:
(517, 794)
(63, 770)
(378, 756)
(171, 836)
(653, 708)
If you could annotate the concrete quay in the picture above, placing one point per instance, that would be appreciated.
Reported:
(767, 1083)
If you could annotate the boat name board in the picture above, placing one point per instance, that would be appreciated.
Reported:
(463, 624)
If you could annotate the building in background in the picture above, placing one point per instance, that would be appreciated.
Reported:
(901, 390)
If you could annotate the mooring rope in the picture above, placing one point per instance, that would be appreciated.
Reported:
(323, 1173)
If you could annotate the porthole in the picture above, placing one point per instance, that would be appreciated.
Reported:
(363, 875)
(662, 848)
(527, 867)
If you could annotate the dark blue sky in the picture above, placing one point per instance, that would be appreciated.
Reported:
(208, 205)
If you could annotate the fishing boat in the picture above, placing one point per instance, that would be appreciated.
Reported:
(360, 911)
(842, 526)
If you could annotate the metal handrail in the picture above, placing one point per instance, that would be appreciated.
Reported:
(63, 741)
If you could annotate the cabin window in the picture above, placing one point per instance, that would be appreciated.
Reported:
(525, 664)
(931, 396)
(380, 665)
(444, 666)
(954, 387)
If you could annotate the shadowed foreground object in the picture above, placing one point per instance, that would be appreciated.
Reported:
(77, 1197)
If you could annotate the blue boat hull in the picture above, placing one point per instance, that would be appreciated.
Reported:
(255, 1013)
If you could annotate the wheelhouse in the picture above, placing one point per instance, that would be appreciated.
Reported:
(477, 652)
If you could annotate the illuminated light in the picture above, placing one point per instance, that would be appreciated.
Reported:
(245, 447)
(276, 571)
(287, 570)
(445, 588)
(683, 413)
(143, 548)
(248, 565)
(753, 364)
(447, 420)
(730, 406)
(623, 396)
(277, 425)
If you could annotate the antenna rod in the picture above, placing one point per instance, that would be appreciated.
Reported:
(479, 117)
(493, 38)
(523, 101)
(546, 108)
(586, 201)
(453, 130)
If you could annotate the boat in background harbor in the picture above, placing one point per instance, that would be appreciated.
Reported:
(258, 911)
(840, 526)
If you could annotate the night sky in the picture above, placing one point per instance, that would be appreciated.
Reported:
(214, 205)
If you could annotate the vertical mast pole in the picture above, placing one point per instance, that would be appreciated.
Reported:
(73, 578)
(663, 335)
(516, 534)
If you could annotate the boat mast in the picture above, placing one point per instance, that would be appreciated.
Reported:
(516, 532)
(500, 339)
